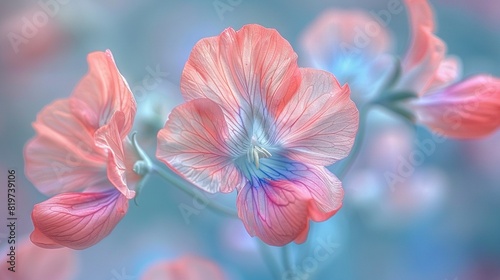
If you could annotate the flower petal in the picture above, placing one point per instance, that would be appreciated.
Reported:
(421, 18)
(242, 71)
(469, 109)
(423, 61)
(194, 144)
(425, 67)
(278, 211)
(449, 71)
(341, 33)
(420, 13)
(276, 214)
(63, 156)
(119, 167)
(103, 91)
(77, 220)
(43, 241)
(319, 124)
(185, 268)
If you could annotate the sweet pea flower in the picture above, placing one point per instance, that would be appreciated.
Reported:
(255, 122)
(185, 268)
(354, 46)
(81, 155)
(467, 109)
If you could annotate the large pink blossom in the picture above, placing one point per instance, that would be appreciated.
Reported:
(468, 109)
(81, 154)
(255, 122)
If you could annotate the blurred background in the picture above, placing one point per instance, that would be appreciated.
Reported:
(440, 222)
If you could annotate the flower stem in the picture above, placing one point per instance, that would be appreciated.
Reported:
(357, 143)
(189, 189)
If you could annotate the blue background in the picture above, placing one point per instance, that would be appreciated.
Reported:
(444, 226)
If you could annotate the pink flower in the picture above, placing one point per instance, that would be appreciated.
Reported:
(25, 43)
(32, 263)
(425, 66)
(469, 109)
(185, 268)
(82, 155)
(353, 46)
(255, 122)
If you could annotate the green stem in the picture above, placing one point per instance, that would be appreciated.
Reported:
(189, 189)
(357, 143)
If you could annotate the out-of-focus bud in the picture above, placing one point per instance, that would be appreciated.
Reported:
(469, 109)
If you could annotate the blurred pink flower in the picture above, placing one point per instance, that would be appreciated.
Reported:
(26, 41)
(353, 45)
(468, 109)
(257, 123)
(33, 263)
(82, 155)
(425, 66)
(185, 268)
